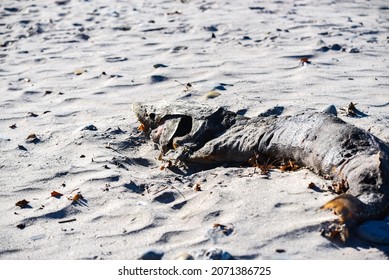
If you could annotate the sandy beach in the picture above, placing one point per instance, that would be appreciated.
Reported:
(93, 186)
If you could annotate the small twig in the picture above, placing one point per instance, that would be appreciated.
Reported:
(161, 190)
(179, 192)
(187, 86)
(113, 149)
(67, 221)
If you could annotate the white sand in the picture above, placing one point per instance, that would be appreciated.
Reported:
(130, 210)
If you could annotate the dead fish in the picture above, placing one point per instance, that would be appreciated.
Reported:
(322, 142)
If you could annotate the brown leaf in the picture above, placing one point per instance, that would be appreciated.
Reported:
(22, 203)
(265, 169)
(197, 187)
(31, 137)
(340, 187)
(253, 161)
(77, 197)
(168, 164)
(305, 60)
(289, 166)
(142, 127)
(56, 194)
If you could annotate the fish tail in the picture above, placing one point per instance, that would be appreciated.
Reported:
(348, 208)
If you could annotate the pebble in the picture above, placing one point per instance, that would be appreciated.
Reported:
(166, 197)
(185, 256)
(211, 28)
(158, 78)
(221, 86)
(275, 111)
(81, 131)
(79, 72)
(331, 109)
(336, 47)
(38, 237)
(375, 231)
(152, 255)
(159, 65)
(89, 127)
(324, 49)
(20, 147)
(217, 254)
(116, 59)
(21, 226)
(354, 50)
(12, 10)
(212, 94)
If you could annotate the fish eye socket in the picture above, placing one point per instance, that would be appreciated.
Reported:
(152, 116)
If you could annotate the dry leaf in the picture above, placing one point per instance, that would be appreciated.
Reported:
(340, 187)
(289, 166)
(76, 198)
(265, 168)
(32, 137)
(304, 60)
(253, 161)
(141, 127)
(168, 164)
(56, 194)
(197, 187)
(22, 203)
